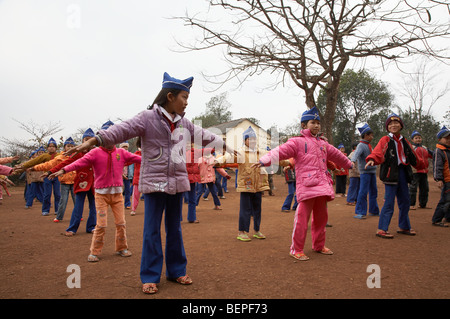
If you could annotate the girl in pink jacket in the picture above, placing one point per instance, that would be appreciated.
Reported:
(108, 164)
(311, 151)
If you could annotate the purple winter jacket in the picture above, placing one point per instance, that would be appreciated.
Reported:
(163, 164)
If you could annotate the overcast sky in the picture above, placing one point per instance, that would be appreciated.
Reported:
(81, 63)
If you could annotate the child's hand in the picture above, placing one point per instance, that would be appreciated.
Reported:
(440, 184)
(256, 165)
(228, 176)
(369, 163)
(86, 146)
(56, 174)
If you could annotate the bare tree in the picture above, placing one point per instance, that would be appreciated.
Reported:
(39, 133)
(310, 42)
(423, 89)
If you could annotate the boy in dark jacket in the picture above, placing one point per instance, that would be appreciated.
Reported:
(441, 174)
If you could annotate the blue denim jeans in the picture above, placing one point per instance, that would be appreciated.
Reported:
(152, 254)
(77, 212)
(50, 185)
(401, 191)
(66, 189)
(291, 196)
(367, 185)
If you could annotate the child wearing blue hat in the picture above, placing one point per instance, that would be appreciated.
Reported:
(251, 184)
(164, 133)
(311, 153)
(341, 174)
(83, 187)
(420, 176)
(441, 174)
(367, 175)
(49, 186)
(65, 180)
(395, 155)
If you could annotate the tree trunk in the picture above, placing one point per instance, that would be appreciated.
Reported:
(330, 112)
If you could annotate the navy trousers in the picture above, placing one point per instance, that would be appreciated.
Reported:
(250, 205)
(152, 254)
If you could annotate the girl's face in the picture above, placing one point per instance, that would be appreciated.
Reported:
(177, 103)
(394, 127)
(313, 126)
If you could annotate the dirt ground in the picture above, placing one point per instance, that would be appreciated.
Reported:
(36, 256)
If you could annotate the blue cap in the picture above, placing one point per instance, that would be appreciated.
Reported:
(172, 83)
(52, 141)
(364, 129)
(414, 133)
(443, 132)
(106, 125)
(40, 149)
(69, 141)
(341, 146)
(88, 133)
(311, 114)
(249, 133)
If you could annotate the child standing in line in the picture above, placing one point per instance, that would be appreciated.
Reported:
(251, 183)
(311, 153)
(353, 174)
(289, 176)
(208, 178)
(341, 174)
(441, 174)
(367, 175)
(396, 156)
(83, 187)
(108, 163)
(420, 177)
(135, 194)
(127, 180)
(49, 185)
(163, 178)
(35, 181)
(65, 180)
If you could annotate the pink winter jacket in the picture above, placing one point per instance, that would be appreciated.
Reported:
(5, 170)
(206, 170)
(310, 154)
(108, 165)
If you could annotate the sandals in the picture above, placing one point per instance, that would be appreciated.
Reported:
(69, 234)
(183, 280)
(149, 288)
(124, 253)
(299, 256)
(409, 232)
(440, 224)
(325, 251)
(93, 258)
(384, 234)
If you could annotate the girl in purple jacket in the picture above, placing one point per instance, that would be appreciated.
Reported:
(164, 132)
(311, 152)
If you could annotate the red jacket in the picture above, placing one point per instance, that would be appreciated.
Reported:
(84, 180)
(423, 155)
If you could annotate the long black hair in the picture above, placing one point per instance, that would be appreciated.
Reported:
(161, 98)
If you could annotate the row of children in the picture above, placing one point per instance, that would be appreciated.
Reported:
(164, 178)
(403, 169)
